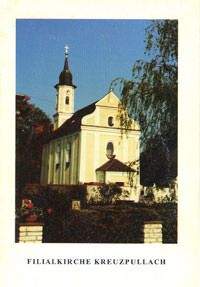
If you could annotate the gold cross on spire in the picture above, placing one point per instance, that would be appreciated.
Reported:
(66, 50)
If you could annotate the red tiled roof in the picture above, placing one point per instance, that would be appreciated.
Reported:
(72, 124)
(115, 165)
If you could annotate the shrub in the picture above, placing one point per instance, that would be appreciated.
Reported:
(57, 197)
(110, 192)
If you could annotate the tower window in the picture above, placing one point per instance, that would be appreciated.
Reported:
(67, 100)
(109, 150)
(110, 121)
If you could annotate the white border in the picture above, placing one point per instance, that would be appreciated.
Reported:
(182, 268)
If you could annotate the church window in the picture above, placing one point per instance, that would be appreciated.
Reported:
(67, 100)
(109, 150)
(68, 153)
(110, 121)
(58, 156)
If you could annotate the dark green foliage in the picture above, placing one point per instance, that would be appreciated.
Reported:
(170, 224)
(53, 229)
(110, 192)
(98, 226)
(151, 95)
(155, 165)
(120, 223)
(57, 197)
(32, 127)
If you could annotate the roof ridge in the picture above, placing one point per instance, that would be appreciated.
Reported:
(84, 108)
(72, 124)
(115, 165)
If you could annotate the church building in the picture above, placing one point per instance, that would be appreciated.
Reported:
(89, 145)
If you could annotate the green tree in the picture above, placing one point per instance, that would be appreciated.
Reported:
(154, 164)
(32, 127)
(151, 95)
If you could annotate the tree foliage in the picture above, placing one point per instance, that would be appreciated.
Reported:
(151, 95)
(154, 164)
(32, 127)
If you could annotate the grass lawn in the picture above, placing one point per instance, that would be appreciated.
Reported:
(120, 223)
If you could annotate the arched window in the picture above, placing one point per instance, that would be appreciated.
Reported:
(67, 100)
(110, 121)
(58, 155)
(109, 150)
(68, 152)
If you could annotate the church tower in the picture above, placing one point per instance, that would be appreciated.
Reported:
(65, 95)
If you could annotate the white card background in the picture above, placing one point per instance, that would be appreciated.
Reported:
(182, 266)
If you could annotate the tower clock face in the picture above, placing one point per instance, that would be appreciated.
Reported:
(68, 92)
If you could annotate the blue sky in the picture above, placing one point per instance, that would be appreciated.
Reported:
(99, 52)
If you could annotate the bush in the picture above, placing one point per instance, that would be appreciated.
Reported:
(119, 223)
(110, 192)
(100, 226)
(57, 197)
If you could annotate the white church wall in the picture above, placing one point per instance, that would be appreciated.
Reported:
(93, 149)
(55, 169)
(114, 176)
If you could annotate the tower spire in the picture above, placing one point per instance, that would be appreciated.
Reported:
(66, 66)
(65, 77)
(65, 95)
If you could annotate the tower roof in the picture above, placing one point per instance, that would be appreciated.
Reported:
(65, 77)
